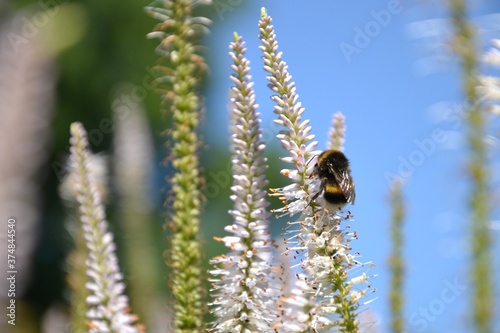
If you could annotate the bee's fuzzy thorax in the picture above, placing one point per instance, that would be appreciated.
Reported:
(335, 156)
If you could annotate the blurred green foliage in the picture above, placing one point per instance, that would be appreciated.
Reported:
(111, 50)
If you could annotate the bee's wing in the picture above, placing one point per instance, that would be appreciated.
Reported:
(344, 180)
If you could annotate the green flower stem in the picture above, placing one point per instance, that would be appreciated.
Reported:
(180, 32)
(76, 279)
(481, 270)
(396, 261)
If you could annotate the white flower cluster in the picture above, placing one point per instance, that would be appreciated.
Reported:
(248, 294)
(327, 293)
(244, 283)
(489, 85)
(336, 134)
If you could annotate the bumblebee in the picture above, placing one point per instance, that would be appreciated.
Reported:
(333, 170)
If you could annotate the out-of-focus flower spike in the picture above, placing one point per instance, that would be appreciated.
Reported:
(109, 307)
(336, 136)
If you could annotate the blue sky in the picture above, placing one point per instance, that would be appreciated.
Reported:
(400, 91)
